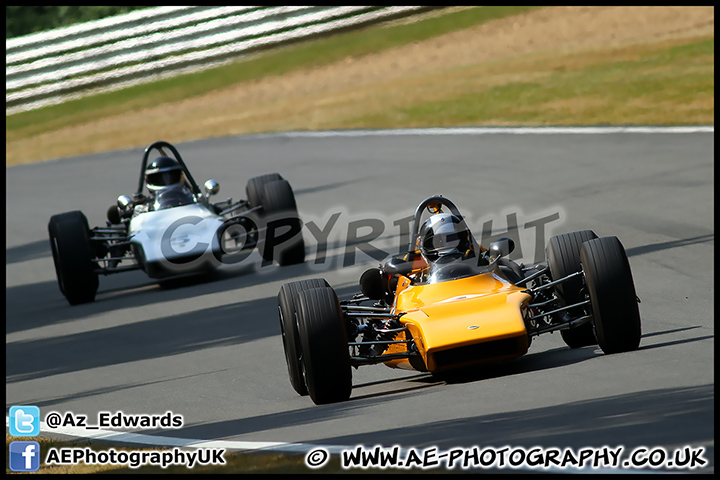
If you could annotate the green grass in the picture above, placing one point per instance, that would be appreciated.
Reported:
(271, 63)
(653, 85)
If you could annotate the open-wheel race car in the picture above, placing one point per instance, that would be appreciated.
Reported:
(450, 304)
(174, 228)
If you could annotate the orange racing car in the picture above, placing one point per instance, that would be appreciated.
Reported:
(449, 303)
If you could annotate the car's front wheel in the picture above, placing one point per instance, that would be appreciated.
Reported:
(324, 355)
(609, 280)
(287, 309)
(73, 257)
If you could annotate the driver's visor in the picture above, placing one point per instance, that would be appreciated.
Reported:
(162, 179)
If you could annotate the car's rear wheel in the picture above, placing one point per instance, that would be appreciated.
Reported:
(324, 356)
(279, 203)
(563, 257)
(616, 315)
(73, 257)
(287, 308)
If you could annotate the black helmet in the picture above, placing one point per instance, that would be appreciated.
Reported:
(163, 172)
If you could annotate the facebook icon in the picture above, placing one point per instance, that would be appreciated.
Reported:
(24, 456)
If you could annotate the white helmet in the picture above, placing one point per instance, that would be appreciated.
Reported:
(165, 178)
(443, 234)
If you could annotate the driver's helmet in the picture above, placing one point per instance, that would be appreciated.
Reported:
(444, 234)
(163, 173)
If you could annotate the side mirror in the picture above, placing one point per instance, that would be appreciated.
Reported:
(211, 188)
(374, 284)
(124, 203)
(397, 266)
(500, 248)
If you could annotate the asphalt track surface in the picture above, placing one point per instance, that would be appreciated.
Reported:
(209, 348)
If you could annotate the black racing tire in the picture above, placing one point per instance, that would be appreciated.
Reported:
(254, 188)
(287, 309)
(279, 201)
(73, 257)
(324, 356)
(609, 280)
(563, 257)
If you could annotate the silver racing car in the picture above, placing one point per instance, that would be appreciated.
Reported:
(170, 227)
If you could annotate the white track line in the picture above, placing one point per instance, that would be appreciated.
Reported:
(553, 130)
(435, 131)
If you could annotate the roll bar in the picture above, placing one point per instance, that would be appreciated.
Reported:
(434, 200)
(159, 146)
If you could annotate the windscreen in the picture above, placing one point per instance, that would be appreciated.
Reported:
(452, 268)
(173, 198)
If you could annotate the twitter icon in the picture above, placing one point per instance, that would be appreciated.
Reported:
(24, 421)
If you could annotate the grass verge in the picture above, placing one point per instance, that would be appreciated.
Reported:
(659, 84)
